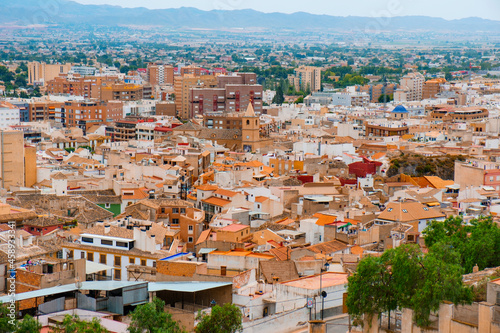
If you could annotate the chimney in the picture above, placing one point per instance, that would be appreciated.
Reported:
(137, 237)
(107, 228)
(144, 239)
(152, 243)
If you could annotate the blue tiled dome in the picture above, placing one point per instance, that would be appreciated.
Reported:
(399, 109)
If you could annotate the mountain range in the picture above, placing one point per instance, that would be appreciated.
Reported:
(30, 12)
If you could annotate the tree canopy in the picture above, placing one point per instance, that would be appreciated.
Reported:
(73, 324)
(225, 319)
(152, 318)
(406, 278)
(477, 242)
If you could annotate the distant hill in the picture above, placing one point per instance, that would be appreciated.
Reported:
(28, 12)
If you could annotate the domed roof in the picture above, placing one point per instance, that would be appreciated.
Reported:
(399, 109)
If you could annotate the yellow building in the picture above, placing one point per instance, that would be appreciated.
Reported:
(11, 158)
(29, 166)
(40, 72)
(306, 77)
(182, 87)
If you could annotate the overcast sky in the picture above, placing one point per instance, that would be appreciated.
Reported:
(448, 9)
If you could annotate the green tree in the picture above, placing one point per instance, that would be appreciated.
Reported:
(406, 278)
(152, 318)
(390, 97)
(28, 325)
(225, 319)
(279, 98)
(367, 288)
(478, 243)
(73, 324)
(5, 321)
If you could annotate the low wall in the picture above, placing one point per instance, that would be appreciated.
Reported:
(281, 323)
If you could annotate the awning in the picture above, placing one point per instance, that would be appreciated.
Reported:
(432, 204)
(94, 267)
(206, 250)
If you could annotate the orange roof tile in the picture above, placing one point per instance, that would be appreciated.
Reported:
(225, 193)
(217, 201)
(234, 227)
(207, 187)
(261, 199)
(325, 219)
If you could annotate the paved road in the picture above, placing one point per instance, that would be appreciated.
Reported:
(337, 325)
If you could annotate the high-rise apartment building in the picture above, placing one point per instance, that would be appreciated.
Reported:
(182, 89)
(11, 158)
(121, 92)
(160, 74)
(84, 114)
(39, 72)
(413, 85)
(377, 90)
(233, 94)
(76, 85)
(45, 110)
(432, 87)
(306, 77)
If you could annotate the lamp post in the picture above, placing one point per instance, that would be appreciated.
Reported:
(323, 293)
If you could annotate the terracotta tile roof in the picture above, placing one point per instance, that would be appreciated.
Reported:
(281, 253)
(138, 194)
(358, 250)
(261, 199)
(328, 279)
(282, 270)
(217, 201)
(325, 219)
(408, 211)
(207, 187)
(328, 247)
(205, 234)
(114, 231)
(234, 227)
(225, 193)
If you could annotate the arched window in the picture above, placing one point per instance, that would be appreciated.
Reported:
(248, 122)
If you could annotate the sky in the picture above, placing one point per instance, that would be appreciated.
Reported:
(448, 9)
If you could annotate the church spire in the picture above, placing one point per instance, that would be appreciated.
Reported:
(249, 112)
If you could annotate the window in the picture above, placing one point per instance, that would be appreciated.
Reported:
(118, 261)
(106, 242)
(190, 228)
(102, 259)
(190, 239)
(107, 205)
(118, 274)
(183, 210)
(87, 240)
(82, 255)
(122, 244)
(131, 261)
(90, 256)
(425, 208)
(175, 221)
(154, 263)
(143, 262)
(175, 210)
(389, 210)
(405, 211)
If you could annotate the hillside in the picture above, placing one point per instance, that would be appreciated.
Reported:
(419, 165)
(29, 12)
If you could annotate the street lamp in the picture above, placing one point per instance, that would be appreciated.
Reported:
(323, 293)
